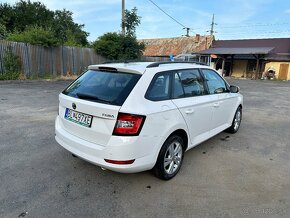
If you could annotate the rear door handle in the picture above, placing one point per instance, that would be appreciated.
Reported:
(189, 111)
(216, 104)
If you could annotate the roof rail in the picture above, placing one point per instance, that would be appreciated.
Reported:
(113, 62)
(123, 61)
(157, 64)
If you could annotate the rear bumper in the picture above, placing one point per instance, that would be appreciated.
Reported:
(126, 149)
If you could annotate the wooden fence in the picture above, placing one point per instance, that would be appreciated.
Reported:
(47, 62)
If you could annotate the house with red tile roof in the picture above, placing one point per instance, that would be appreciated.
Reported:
(163, 47)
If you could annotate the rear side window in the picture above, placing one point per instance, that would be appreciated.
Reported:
(159, 88)
(215, 83)
(103, 87)
(188, 83)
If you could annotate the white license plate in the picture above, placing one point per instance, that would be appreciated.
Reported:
(78, 117)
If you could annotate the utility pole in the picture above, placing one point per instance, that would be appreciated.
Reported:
(187, 31)
(123, 17)
(212, 26)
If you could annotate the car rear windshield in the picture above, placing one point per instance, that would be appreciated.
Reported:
(103, 87)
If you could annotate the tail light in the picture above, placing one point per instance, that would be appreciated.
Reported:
(128, 124)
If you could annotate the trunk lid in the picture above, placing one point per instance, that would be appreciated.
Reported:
(96, 98)
(103, 119)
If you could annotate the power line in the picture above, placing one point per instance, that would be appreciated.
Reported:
(184, 27)
(245, 25)
(252, 36)
(254, 25)
(259, 36)
(168, 14)
(250, 26)
(226, 26)
(256, 32)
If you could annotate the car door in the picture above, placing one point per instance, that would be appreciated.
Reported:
(190, 96)
(224, 101)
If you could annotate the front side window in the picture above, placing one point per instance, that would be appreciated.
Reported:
(188, 83)
(159, 88)
(215, 83)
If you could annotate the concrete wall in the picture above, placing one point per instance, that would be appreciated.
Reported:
(276, 65)
(240, 68)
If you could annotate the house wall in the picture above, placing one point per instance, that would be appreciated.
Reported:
(276, 65)
(240, 68)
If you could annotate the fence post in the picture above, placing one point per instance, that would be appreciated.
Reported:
(62, 61)
(28, 60)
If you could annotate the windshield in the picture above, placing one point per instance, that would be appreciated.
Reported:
(103, 87)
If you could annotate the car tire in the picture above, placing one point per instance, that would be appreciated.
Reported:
(170, 158)
(236, 121)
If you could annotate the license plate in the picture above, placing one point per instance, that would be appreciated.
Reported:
(78, 117)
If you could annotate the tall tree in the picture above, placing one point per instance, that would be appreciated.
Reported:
(7, 16)
(117, 46)
(68, 31)
(27, 13)
(22, 19)
(132, 20)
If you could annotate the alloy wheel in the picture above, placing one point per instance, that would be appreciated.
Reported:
(237, 120)
(173, 157)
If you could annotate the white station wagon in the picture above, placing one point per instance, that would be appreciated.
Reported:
(132, 117)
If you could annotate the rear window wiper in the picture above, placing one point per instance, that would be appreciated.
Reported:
(91, 97)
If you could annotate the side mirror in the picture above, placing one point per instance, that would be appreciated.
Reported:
(234, 89)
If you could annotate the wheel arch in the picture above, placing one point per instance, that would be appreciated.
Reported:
(182, 133)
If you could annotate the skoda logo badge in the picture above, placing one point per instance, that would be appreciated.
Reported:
(74, 106)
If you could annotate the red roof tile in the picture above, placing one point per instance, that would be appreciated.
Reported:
(175, 46)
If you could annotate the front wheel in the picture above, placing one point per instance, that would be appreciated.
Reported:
(170, 158)
(236, 121)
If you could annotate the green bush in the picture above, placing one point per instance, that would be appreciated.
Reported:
(116, 46)
(12, 66)
(3, 31)
(34, 35)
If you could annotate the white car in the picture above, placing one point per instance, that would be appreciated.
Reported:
(132, 117)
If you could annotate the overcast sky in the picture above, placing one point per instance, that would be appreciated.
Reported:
(235, 18)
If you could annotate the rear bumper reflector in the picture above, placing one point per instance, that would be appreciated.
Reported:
(120, 162)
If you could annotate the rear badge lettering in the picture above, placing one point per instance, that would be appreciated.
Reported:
(108, 115)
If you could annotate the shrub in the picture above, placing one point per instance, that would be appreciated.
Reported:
(34, 35)
(12, 66)
(3, 31)
(115, 46)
